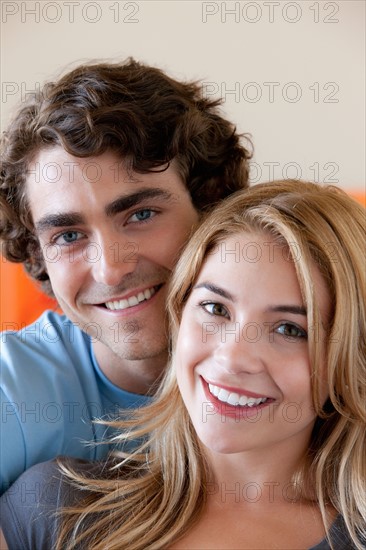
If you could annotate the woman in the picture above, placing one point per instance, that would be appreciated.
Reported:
(257, 436)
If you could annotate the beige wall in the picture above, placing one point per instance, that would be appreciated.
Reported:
(292, 73)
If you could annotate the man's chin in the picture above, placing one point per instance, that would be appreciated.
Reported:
(132, 351)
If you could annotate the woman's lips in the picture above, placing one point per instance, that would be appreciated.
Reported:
(233, 404)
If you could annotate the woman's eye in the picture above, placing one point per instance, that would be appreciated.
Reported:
(214, 308)
(69, 237)
(142, 215)
(289, 330)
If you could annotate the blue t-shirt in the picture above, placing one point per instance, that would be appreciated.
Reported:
(51, 389)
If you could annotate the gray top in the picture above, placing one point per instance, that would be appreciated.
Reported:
(28, 510)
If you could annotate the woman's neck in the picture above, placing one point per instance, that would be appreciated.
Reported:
(254, 473)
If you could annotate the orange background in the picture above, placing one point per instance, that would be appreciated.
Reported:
(22, 302)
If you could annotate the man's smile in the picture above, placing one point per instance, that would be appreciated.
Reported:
(132, 300)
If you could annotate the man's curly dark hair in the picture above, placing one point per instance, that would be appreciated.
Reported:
(133, 109)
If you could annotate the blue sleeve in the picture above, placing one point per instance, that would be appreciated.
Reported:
(49, 396)
(51, 391)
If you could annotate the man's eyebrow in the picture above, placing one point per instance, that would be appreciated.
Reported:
(120, 204)
(216, 289)
(58, 220)
(297, 310)
(128, 201)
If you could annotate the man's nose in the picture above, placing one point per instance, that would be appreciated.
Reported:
(113, 260)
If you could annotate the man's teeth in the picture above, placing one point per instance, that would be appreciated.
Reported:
(132, 300)
(235, 399)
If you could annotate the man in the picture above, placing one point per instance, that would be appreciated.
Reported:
(104, 174)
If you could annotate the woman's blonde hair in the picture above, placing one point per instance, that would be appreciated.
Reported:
(153, 496)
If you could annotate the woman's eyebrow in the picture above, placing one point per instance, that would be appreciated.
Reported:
(297, 310)
(282, 308)
(216, 289)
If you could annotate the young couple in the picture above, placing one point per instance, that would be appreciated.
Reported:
(255, 438)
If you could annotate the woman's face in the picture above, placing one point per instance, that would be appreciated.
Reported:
(242, 353)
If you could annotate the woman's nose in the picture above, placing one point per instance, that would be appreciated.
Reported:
(240, 349)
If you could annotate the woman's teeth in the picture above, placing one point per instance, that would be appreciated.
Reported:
(132, 300)
(235, 399)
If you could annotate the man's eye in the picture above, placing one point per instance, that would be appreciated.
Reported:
(142, 215)
(290, 330)
(69, 237)
(214, 308)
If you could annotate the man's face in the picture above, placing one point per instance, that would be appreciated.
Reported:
(110, 238)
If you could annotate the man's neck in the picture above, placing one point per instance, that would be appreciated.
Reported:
(139, 376)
